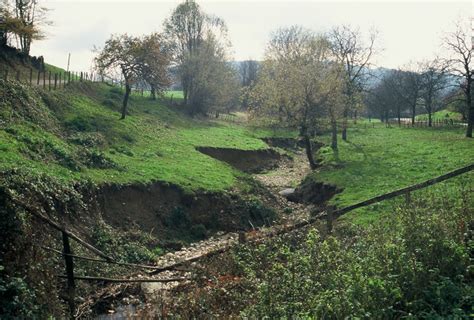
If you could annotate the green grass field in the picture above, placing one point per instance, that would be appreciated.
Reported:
(75, 134)
(153, 143)
(440, 115)
(378, 160)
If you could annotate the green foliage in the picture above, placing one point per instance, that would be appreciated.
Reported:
(179, 218)
(121, 246)
(257, 211)
(198, 231)
(414, 264)
(17, 299)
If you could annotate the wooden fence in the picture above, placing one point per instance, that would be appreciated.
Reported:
(435, 123)
(49, 80)
(329, 216)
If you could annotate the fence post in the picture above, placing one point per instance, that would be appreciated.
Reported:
(49, 80)
(69, 77)
(329, 219)
(81, 77)
(38, 78)
(71, 286)
(55, 81)
(44, 79)
(408, 197)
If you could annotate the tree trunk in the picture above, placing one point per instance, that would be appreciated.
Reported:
(399, 116)
(413, 115)
(470, 111)
(125, 100)
(430, 122)
(344, 125)
(309, 152)
(153, 93)
(334, 135)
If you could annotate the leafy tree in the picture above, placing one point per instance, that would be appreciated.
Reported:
(193, 34)
(154, 59)
(297, 81)
(213, 84)
(137, 59)
(24, 19)
(248, 72)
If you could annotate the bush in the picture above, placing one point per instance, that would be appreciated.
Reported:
(179, 218)
(17, 300)
(198, 231)
(258, 213)
(413, 264)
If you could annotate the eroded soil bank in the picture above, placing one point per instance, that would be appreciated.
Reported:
(162, 208)
(250, 161)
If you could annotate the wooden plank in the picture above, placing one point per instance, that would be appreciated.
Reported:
(71, 286)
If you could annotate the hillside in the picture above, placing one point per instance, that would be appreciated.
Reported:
(76, 135)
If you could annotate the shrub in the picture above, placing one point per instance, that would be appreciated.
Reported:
(179, 218)
(198, 231)
(259, 213)
(414, 263)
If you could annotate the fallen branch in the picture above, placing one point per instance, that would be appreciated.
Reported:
(99, 260)
(87, 278)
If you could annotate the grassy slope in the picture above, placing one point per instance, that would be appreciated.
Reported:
(378, 160)
(153, 143)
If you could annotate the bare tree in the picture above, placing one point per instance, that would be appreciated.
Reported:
(433, 82)
(408, 86)
(248, 72)
(383, 100)
(355, 55)
(458, 42)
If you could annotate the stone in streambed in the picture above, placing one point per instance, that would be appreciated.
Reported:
(287, 192)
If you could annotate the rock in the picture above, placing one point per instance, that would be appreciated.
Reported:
(287, 192)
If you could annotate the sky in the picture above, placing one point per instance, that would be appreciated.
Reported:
(408, 31)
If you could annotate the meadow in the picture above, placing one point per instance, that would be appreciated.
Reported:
(377, 159)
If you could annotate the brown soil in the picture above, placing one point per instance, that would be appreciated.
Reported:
(314, 193)
(250, 161)
(153, 208)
